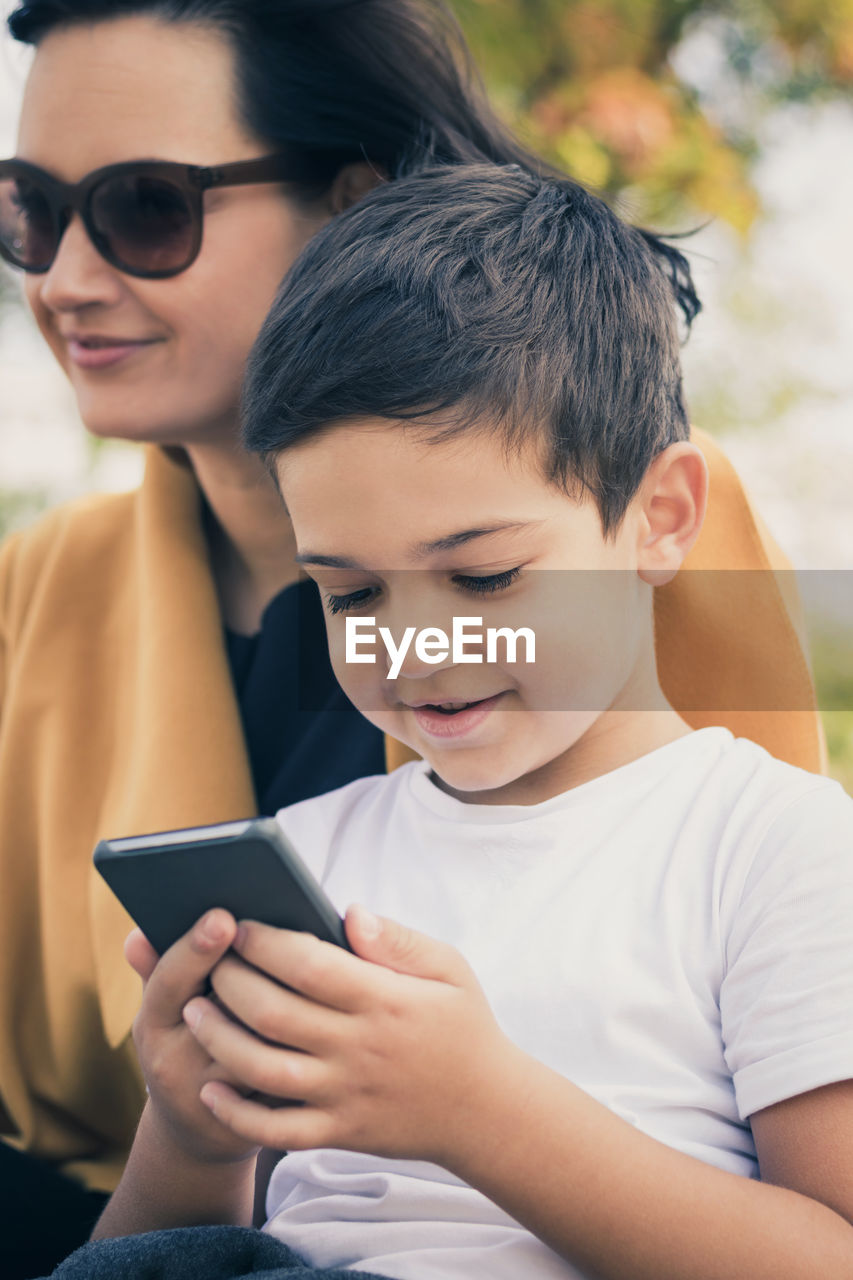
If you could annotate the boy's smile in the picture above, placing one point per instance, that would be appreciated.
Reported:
(453, 720)
(411, 531)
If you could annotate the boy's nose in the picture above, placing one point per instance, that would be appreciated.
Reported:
(416, 653)
(430, 655)
(414, 668)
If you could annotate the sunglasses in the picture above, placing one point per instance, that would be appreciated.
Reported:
(144, 216)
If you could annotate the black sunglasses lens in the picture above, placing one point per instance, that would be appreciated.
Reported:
(145, 224)
(28, 235)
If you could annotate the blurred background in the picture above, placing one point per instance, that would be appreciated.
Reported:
(731, 119)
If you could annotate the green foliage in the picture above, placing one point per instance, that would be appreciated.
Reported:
(833, 670)
(839, 741)
(19, 507)
(5, 290)
(594, 85)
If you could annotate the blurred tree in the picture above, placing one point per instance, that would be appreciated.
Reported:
(658, 102)
(19, 507)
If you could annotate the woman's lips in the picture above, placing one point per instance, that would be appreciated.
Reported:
(436, 724)
(97, 353)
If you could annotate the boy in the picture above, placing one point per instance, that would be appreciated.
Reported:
(613, 981)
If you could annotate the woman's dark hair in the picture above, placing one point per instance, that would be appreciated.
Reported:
(329, 82)
(479, 295)
(332, 81)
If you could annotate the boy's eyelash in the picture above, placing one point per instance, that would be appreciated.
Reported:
(488, 582)
(340, 604)
(479, 584)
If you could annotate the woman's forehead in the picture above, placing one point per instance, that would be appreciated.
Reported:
(128, 89)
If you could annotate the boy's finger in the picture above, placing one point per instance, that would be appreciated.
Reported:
(139, 954)
(273, 1011)
(277, 1072)
(319, 970)
(284, 1128)
(183, 970)
(389, 943)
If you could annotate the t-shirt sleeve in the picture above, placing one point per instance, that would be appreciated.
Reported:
(786, 1000)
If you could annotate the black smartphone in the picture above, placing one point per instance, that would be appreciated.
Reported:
(168, 880)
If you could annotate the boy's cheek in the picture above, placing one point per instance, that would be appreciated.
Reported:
(372, 694)
(364, 684)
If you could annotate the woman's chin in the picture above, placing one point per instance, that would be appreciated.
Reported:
(137, 425)
(114, 428)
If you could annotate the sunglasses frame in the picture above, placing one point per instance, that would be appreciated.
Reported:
(67, 198)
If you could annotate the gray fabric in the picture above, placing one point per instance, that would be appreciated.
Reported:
(193, 1253)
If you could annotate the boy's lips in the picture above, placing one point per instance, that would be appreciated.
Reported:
(449, 723)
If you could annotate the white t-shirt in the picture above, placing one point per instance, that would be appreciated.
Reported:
(675, 937)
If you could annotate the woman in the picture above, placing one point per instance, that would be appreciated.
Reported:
(140, 634)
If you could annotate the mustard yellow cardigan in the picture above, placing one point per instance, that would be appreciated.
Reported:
(118, 716)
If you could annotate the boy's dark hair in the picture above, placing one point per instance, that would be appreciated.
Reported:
(482, 295)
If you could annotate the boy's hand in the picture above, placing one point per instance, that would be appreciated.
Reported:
(174, 1064)
(384, 1057)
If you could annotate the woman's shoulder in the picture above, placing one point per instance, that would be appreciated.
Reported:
(77, 537)
(81, 521)
(730, 632)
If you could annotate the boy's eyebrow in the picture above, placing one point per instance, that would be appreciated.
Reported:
(452, 540)
(447, 543)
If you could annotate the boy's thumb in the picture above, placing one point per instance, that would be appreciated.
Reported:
(391, 944)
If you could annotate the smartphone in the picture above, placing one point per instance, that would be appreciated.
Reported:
(168, 880)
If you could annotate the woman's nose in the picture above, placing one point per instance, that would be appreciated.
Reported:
(78, 275)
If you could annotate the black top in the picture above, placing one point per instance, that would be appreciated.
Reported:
(303, 735)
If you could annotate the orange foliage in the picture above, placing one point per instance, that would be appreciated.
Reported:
(590, 84)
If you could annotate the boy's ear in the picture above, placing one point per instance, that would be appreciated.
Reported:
(351, 183)
(673, 497)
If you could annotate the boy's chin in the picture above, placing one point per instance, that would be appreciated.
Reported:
(519, 767)
(470, 778)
